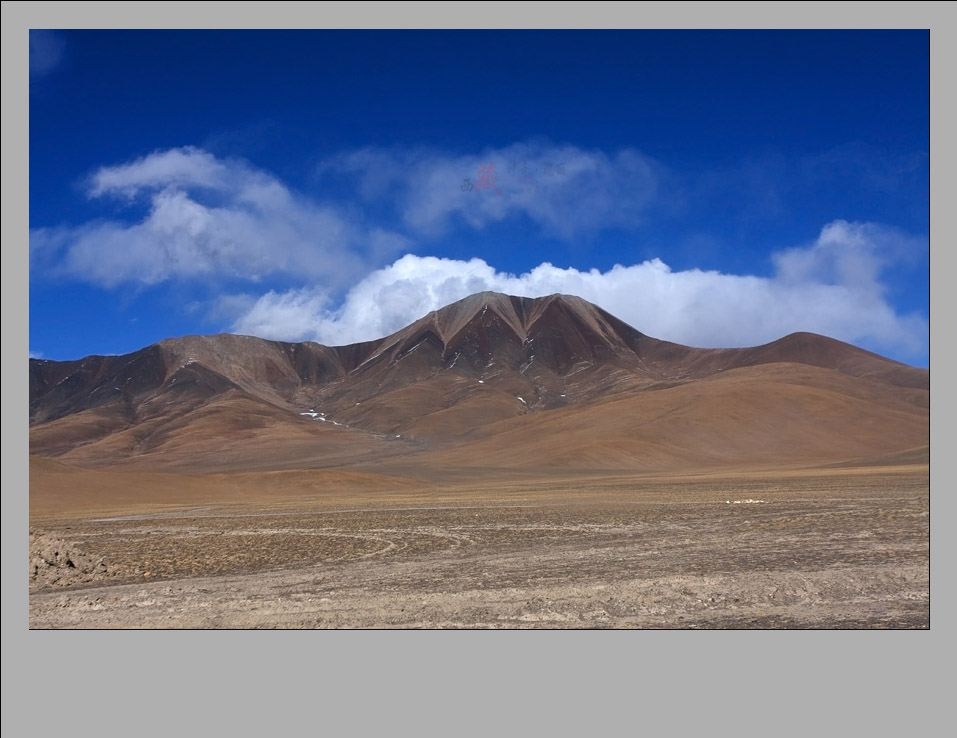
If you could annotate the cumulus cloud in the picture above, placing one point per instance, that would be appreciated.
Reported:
(565, 190)
(208, 216)
(831, 286)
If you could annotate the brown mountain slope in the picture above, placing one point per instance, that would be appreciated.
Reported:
(546, 381)
(798, 348)
(769, 415)
(230, 432)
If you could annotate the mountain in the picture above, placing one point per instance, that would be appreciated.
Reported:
(492, 379)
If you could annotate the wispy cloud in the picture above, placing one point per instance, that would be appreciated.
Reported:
(868, 167)
(831, 286)
(210, 217)
(771, 186)
(565, 190)
(46, 51)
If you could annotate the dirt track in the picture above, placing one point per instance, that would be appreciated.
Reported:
(845, 549)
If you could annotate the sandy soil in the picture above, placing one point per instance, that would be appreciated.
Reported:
(846, 548)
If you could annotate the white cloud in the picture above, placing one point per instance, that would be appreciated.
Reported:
(209, 216)
(830, 286)
(206, 216)
(294, 315)
(185, 167)
(36, 354)
(565, 190)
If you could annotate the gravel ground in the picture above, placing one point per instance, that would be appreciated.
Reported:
(827, 551)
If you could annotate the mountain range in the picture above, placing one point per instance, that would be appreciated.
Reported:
(491, 382)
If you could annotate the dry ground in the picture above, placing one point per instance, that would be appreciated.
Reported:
(825, 548)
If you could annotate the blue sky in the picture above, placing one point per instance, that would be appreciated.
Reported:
(714, 188)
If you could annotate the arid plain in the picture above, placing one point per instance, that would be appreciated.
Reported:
(503, 463)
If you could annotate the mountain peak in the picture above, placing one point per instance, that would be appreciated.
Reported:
(559, 329)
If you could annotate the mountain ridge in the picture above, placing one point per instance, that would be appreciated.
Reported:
(453, 376)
